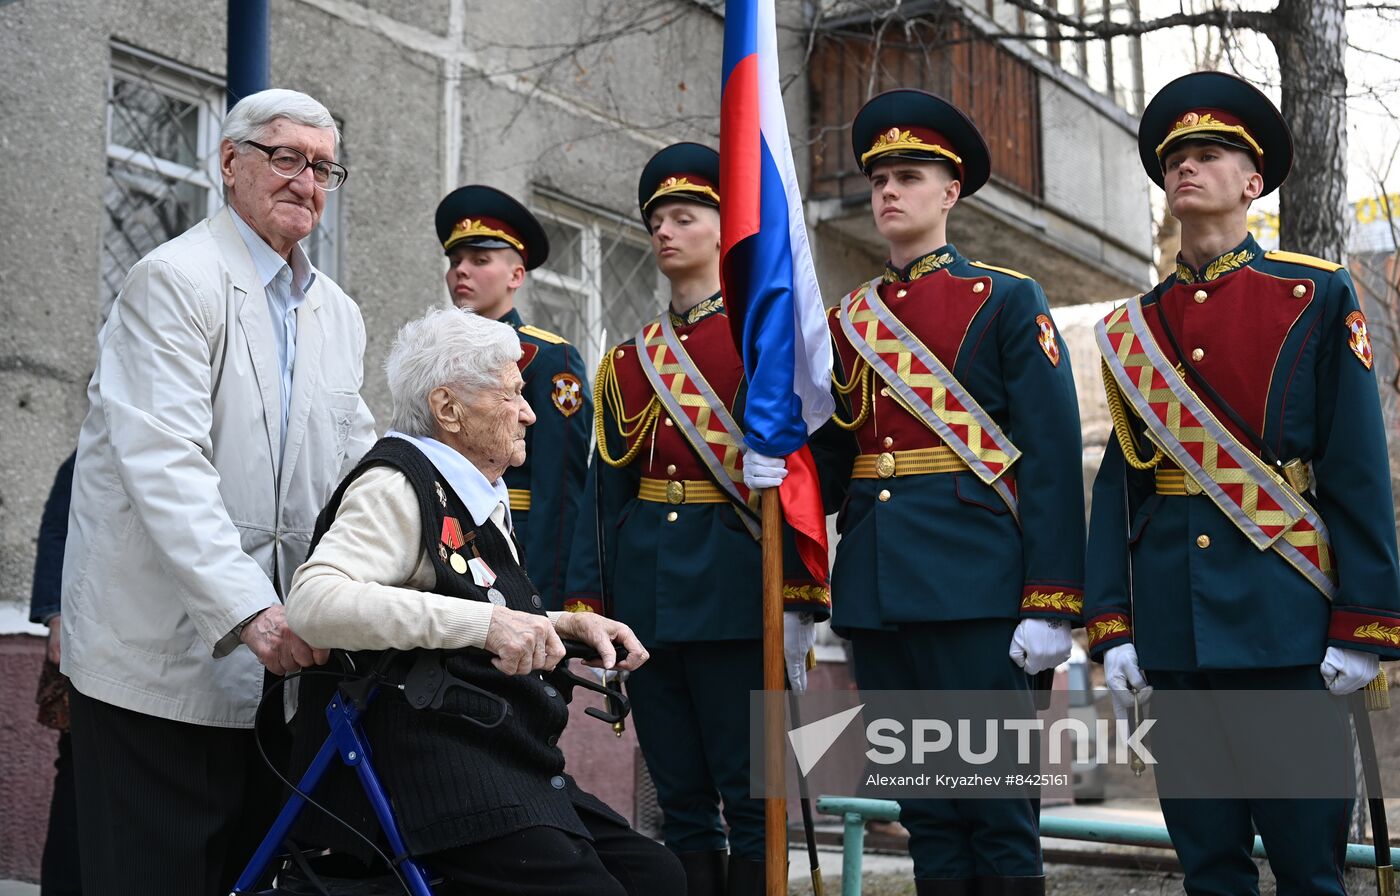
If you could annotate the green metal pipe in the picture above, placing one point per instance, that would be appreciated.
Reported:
(852, 853)
(857, 811)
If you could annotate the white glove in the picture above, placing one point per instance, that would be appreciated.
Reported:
(799, 634)
(1125, 678)
(762, 471)
(608, 676)
(1040, 644)
(1347, 671)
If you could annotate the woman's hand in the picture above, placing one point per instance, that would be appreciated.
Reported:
(55, 645)
(600, 633)
(522, 642)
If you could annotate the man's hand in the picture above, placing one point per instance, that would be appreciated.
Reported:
(1125, 679)
(600, 633)
(1040, 644)
(522, 642)
(799, 634)
(276, 646)
(55, 645)
(761, 471)
(1348, 671)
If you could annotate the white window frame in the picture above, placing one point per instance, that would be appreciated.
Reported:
(208, 94)
(182, 83)
(590, 221)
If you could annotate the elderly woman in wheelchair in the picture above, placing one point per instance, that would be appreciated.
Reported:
(415, 579)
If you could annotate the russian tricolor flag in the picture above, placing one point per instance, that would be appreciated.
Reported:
(770, 285)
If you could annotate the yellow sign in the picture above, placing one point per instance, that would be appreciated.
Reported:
(1264, 225)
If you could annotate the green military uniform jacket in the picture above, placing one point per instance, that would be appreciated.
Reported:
(1282, 339)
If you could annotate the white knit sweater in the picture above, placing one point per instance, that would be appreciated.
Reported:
(367, 584)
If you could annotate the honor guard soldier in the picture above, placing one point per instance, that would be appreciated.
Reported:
(957, 462)
(674, 553)
(1242, 534)
(491, 241)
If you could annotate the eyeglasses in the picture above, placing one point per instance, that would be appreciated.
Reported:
(287, 162)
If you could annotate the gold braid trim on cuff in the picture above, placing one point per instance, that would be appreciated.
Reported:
(606, 392)
(1121, 429)
(811, 594)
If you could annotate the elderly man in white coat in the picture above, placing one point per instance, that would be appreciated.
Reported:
(224, 409)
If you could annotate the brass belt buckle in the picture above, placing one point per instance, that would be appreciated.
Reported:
(675, 492)
(884, 465)
(1192, 486)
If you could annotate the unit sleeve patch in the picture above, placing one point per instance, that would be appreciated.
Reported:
(1048, 343)
(567, 394)
(1358, 340)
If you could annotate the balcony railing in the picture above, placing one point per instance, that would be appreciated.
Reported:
(939, 52)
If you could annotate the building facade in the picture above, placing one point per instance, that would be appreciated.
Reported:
(108, 147)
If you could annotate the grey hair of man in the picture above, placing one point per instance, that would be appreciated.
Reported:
(251, 115)
(449, 347)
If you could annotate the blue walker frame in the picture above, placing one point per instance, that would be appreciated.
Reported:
(347, 741)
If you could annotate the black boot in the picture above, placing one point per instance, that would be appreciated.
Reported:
(747, 877)
(944, 886)
(704, 872)
(1011, 886)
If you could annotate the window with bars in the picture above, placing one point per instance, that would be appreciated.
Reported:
(162, 158)
(163, 124)
(600, 283)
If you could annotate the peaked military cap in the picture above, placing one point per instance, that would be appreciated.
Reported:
(682, 171)
(915, 124)
(482, 216)
(1220, 108)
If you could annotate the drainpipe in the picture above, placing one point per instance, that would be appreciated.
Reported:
(248, 60)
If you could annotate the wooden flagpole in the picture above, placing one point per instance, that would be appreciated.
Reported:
(775, 807)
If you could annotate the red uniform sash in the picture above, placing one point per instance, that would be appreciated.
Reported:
(697, 410)
(928, 389)
(1270, 513)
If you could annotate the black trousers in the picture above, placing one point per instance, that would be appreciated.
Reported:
(168, 808)
(60, 871)
(1305, 838)
(955, 839)
(691, 710)
(547, 861)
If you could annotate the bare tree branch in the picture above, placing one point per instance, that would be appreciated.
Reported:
(1263, 22)
(1368, 51)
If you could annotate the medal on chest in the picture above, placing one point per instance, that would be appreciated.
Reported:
(452, 540)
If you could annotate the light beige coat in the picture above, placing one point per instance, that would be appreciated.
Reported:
(184, 519)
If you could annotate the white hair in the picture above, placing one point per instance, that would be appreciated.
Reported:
(449, 347)
(251, 115)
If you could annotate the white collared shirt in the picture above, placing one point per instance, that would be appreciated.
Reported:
(286, 286)
(485, 500)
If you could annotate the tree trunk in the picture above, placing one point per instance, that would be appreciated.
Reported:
(1310, 39)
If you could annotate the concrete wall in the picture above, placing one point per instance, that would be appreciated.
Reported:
(569, 95)
(565, 96)
(26, 775)
(1094, 178)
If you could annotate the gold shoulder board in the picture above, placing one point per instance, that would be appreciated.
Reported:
(1298, 258)
(1017, 274)
(547, 336)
